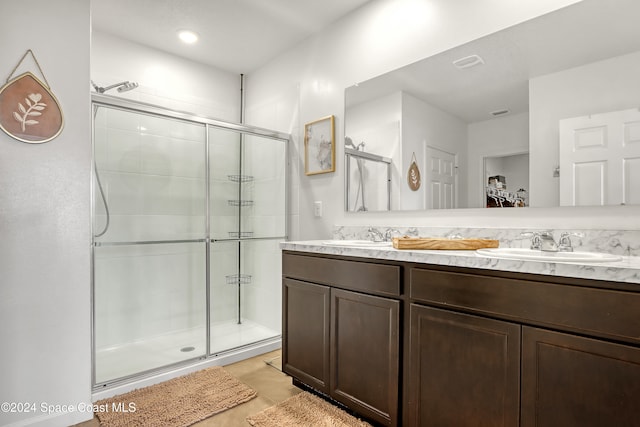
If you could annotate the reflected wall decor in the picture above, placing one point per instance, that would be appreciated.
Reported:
(319, 146)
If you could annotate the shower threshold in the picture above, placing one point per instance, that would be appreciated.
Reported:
(126, 360)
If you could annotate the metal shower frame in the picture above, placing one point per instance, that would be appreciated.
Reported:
(357, 154)
(101, 100)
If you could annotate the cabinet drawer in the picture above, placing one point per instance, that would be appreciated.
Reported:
(367, 277)
(593, 311)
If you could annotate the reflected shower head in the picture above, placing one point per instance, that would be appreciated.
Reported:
(122, 86)
(349, 142)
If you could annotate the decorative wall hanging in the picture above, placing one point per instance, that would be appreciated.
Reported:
(29, 111)
(319, 147)
(413, 175)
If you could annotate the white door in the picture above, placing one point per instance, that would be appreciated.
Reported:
(600, 159)
(440, 178)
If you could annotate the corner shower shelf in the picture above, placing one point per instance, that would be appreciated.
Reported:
(240, 178)
(240, 202)
(238, 279)
(240, 234)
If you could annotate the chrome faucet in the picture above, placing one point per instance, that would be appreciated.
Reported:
(542, 241)
(564, 244)
(547, 243)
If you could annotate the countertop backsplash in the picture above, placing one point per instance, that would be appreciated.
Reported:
(617, 242)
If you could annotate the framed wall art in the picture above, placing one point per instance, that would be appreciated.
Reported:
(319, 146)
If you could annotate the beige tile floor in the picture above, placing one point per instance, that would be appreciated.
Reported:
(272, 386)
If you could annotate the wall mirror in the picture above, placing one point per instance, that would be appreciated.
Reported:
(544, 113)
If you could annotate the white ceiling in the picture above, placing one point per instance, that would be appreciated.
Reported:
(582, 33)
(235, 35)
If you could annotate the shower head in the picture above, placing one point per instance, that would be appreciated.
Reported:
(127, 86)
(122, 86)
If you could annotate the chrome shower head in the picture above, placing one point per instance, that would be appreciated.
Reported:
(122, 86)
(349, 142)
(127, 86)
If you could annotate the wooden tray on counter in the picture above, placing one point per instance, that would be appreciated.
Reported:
(441, 243)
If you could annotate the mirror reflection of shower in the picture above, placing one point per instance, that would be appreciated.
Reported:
(373, 179)
(121, 87)
(360, 192)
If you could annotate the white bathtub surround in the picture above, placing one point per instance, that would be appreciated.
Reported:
(617, 242)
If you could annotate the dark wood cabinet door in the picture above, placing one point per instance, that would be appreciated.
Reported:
(365, 345)
(465, 370)
(305, 333)
(569, 380)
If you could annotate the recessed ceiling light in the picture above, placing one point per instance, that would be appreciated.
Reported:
(188, 37)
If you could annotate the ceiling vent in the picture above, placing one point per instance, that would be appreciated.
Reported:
(499, 113)
(468, 62)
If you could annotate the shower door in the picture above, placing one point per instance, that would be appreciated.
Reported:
(188, 214)
(247, 222)
(149, 249)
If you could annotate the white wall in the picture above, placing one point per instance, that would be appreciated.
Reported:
(379, 37)
(45, 305)
(165, 80)
(608, 85)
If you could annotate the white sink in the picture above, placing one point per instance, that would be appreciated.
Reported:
(536, 255)
(357, 243)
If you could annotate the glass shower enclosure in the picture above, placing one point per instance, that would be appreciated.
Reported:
(188, 213)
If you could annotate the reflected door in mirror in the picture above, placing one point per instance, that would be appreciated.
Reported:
(441, 179)
(600, 159)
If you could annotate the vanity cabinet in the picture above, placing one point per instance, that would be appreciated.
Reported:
(415, 344)
(574, 380)
(305, 332)
(501, 349)
(465, 370)
(341, 332)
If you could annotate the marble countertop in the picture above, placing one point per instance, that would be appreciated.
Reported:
(627, 270)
